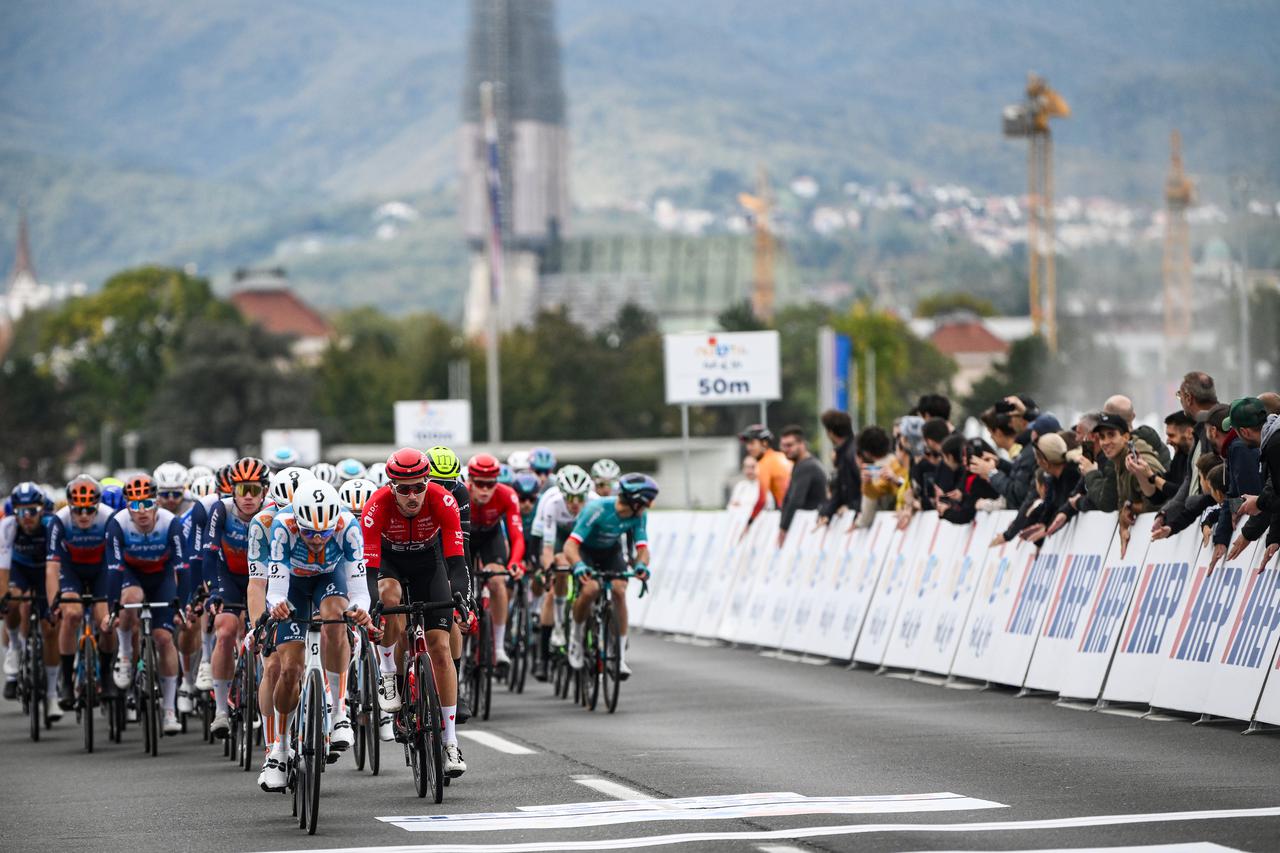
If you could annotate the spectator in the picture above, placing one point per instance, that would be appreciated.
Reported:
(1270, 401)
(807, 488)
(1014, 485)
(1084, 432)
(881, 473)
(1031, 507)
(934, 406)
(1179, 431)
(927, 470)
(1198, 397)
(1134, 462)
(1118, 404)
(773, 470)
(1255, 428)
(1196, 505)
(846, 483)
(1062, 476)
(746, 490)
(1241, 431)
(1003, 434)
(910, 431)
(958, 505)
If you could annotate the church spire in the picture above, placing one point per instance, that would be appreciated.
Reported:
(22, 258)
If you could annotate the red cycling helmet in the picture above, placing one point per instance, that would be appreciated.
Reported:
(407, 463)
(483, 467)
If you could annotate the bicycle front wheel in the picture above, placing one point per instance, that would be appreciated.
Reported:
(35, 690)
(248, 709)
(611, 665)
(314, 749)
(485, 687)
(591, 665)
(152, 698)
(433, 727)
(373, 714)
(89, 695)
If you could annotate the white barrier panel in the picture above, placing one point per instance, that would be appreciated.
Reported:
(681, 562)
(1163, 589)
(767, 609)
(903, 550)
(1078, 583)
(945, 549)
(722, 528)
(853, 570)
(1204, 626)
(1241, 669)
(722, 575)
(1269, 702)
(666, 529)
(942, 630)
(736, 627)
(1004, 574)
(819, 587)
(811, 562)
(1086, 668)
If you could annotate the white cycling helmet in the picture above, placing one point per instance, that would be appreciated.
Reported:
(573, 482)
(377, 474)
(196, 471)
(203, 486)
(316, 506)
(354, 494)
(606, 469)
(350, 469)
(326, 472)
(170, 476)
(281, 458)
(518, 461)
(285, 483)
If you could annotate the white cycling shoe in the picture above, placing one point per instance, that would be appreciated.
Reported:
(275, 773)
(185, 705)
(388, 693)
(454, 766)
(204, 676)
(386, 731)
(500, 657)
(341, 738)
(576, 658)
(122, 673)
(221, 726)
(557, 637)
(171, 724)
(12, 661)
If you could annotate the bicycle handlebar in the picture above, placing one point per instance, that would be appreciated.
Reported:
(458, 602)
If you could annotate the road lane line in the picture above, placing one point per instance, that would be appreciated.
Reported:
(492, 741)
(612, 789)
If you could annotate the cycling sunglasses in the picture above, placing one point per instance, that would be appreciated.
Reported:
(28, 511)
(144, 504)
(315, 534)
(251, 490)
(171, 495)
(84, 510)
(410, 488)
(484, 484)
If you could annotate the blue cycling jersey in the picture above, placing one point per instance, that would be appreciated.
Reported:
(19, 548)
(194, 520)
(600, 526)
(70, 544)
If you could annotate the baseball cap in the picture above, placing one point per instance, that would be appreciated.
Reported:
(1115, 422)
(1247, 412)
(1045, 424)
(1053, 447)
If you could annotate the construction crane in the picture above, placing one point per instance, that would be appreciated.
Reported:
(1030, 119)
(759, 206)
(1179, 194)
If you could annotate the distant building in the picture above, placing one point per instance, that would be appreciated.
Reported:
(23, 291)
(264, 297)
(966, 339)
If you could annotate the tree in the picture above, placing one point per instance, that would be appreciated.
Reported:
(32, 421)
(936, 304)
(1023, 371)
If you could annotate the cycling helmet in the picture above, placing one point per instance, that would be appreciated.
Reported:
(505, 475)
(25, 494)
(354, 494)
(350, 469)
(139, 487)
(638, 490)
(754, 431)
(605, 469)
(285, 483)
(326, 472)
(444, 463)
(201, 487)
(483, 467)
(113, 496)
(519, 461)
(198, 471)
(407, 463)
(316, 506)
(83, 491)
(377, 474)
(283, 457)
(170, 476)
(526, 486)
(249, 469)
(112, 481)
(573, 482)
(223, 479)
(542, 460)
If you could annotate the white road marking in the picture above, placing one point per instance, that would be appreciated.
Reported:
(612, 789)
(492, 741)
(821, 831)
(723, 807)
(1189, 847)
(779, 848)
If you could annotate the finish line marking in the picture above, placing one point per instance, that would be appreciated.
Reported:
(819, 831)
(612, 789)
(492, 741)
(650, 810)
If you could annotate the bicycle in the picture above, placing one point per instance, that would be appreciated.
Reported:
(145, 689)
(562, 677)
(33, 684)
(87, 673)
(519, 629)
(602, 645)
(242, 702)
(420, 722)
(477, 654)
(362, 704)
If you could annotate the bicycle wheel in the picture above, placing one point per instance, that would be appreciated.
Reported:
(34, 680)
(433, 728)
(486, 668)
(248, 710)
(355, 710)
(415, 727)
(89, 696)
(611, 664)
(369, 701)
(314, 750)
(152, 699)
(591, 666)
(520, 645)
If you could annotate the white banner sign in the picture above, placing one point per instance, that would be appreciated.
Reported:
(306, 442)
(424, 423)
(721, 367)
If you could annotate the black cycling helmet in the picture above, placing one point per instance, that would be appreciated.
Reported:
(526, 486)
(759, 431)
(637, 490)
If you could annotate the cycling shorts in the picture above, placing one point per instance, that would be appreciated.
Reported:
(609, 560)
(305, 594)
(422, 578)
(489, 547)
(83, 579)
(230, 587)
(159, 588)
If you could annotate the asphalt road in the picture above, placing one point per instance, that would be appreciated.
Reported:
(696, 722)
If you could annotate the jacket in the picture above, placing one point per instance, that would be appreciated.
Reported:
(1015, 485)
(846, 481)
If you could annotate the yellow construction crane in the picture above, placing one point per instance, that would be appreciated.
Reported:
(1179, 194)
(1030, 119)
(760, 205)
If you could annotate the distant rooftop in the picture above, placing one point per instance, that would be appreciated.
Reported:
(264, 297)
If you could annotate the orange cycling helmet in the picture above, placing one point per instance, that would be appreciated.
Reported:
(249, 469)
(84, 491)
(407, 463)
(224, 479)
(139, 487)
(483, 467)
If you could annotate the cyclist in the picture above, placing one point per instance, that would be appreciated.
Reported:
(199, 471)
(76, 565)
(446, 471)
(543, 464)
(24, 538)
(525, 486)
(497, 540)
(596, 545)
(400, 522)
(326, 472)
(557, 513)
(171, 494)
(350, 469)
(224, 485)
(258, 553)
(773, 469)
(518, 462)
(605, 473)
(281, 458)
(316, 557)
(377, 474)
(226, 547)
(202, 487)
(146, 559)
(505, 475)
(355, 493)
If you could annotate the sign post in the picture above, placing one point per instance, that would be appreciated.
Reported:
(719, 369)
(424, 423)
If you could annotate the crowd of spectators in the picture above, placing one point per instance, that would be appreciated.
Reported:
(1216, 465)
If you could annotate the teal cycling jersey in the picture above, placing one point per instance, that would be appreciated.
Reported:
(600, 526)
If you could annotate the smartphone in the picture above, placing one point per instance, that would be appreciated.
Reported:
(1133, 449)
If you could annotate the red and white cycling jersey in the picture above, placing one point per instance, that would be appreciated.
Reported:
(386, 528)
